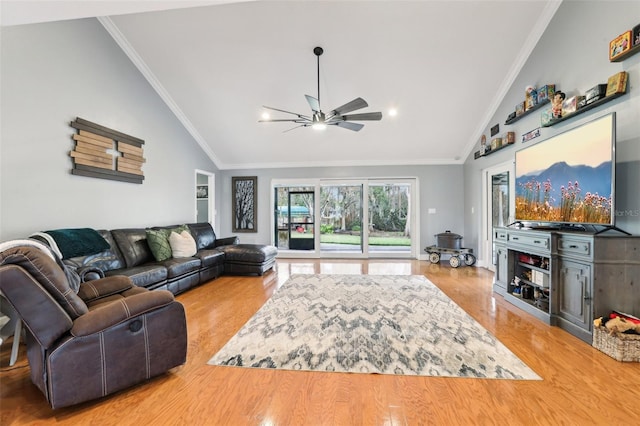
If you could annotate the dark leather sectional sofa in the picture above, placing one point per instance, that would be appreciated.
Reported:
(130, 255)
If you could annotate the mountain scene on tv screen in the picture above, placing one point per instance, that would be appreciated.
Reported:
(564, 193)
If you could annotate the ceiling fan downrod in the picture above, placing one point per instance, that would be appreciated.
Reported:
(318, 51)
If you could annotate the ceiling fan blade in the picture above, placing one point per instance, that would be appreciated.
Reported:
(313, 103)
(286, 112)
(367, 116)
(293, 128)
(292, 120)
(357, 103)
(348, 125)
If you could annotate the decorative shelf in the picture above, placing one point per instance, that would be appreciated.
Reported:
(584, 109)
(626, 54)
(527, 112)
(494, 150)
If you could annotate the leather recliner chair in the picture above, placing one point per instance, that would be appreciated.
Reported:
(107, 337)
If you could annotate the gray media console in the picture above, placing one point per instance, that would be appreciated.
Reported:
(568, 278)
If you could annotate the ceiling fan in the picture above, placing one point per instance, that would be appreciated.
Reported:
(336, 117)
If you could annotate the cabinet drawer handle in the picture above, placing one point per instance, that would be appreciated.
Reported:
(573, 246)
(515, 238)
(536, 241)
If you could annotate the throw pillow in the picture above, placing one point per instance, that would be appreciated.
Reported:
(178, 230)
(159, 244)
(182, 244)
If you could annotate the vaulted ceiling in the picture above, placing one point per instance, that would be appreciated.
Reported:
(443, 65)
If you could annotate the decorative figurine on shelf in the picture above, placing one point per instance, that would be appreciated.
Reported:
(556, 104)
(530, 98)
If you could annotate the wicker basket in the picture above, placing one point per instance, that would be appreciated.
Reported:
(619, 346)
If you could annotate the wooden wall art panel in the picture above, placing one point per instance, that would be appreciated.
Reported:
(105, 153)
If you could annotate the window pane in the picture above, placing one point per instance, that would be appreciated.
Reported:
(389, 217)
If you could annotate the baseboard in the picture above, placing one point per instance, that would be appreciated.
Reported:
(571, 328)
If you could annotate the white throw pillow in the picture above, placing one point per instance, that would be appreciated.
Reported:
(182, 244)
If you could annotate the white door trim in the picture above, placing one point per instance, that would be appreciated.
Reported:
(486, 243)
(212, 214)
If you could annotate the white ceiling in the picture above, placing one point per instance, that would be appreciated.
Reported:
(445, 66)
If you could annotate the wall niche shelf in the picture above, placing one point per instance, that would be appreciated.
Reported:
(584, 109)
(527, 112)
(635, 49)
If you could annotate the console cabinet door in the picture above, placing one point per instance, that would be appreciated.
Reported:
(574, 293)
(501, 266)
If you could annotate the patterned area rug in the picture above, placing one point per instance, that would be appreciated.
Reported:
(369, 324)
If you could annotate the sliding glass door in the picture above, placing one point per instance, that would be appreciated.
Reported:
(347, 218)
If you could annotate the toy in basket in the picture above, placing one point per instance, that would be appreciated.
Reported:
(618, 336)
(450, 244)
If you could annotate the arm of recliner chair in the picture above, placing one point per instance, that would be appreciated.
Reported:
(119, 311)
(96, 289)
(47, 321)
(229, 241)
(90, 273)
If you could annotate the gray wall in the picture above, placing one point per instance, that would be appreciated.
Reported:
(572, 53)
(440, 188)
(53, 73)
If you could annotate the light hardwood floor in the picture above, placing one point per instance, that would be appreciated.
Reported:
(580, 385)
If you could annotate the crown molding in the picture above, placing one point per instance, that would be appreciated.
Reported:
(364, 163)
(137, 60)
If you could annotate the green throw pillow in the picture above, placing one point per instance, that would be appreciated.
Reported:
(178, 230)
(159, 244)
(158, 240)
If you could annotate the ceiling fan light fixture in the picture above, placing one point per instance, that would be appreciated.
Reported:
(337, 117)
(318, 122)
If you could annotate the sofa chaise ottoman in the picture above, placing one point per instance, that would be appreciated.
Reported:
(242, 259)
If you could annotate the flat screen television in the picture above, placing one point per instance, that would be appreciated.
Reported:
(570, 177)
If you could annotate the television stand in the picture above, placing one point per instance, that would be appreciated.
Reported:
(545, 228)
(611, 228)
(572, 227)
(517, 225)
(567, 278)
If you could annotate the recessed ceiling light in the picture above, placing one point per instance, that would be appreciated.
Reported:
(393, 112)
(265, 116)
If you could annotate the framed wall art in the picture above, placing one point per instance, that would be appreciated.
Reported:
(245, 203)
(202, 192)
(531, 135)
(104, 153)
